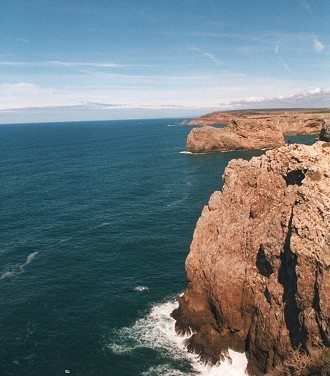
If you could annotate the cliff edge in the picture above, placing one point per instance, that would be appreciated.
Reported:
(238, 135)
(259, 263)
(252, 130)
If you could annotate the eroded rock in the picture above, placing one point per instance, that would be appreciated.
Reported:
(259, 263)
(325, 132)
(250, 130)
(238, 135)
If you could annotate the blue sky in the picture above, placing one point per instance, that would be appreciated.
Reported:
(82, 60)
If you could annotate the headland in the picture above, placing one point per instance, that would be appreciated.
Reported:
(252, 130)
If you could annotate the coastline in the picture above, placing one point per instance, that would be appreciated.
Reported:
(243, 311)
(248, 130)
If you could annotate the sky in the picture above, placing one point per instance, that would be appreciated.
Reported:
(67, 60)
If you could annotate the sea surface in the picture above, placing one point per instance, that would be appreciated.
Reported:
(96, 221)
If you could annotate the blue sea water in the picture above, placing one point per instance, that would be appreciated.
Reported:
(96, 222)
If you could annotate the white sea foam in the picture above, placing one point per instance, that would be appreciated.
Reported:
(157, 331)
(190, 153)
(103, 224)
(141, 288)
(163, 370)
(17, 269)
(174, 125)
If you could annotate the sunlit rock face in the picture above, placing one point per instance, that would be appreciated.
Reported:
(238, 135)
(250, 130)
(259, 262)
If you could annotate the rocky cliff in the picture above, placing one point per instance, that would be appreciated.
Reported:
(259, 263)
(252, 130)
(288, 121)
(239, 134)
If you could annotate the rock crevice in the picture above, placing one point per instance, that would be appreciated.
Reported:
(259, 263)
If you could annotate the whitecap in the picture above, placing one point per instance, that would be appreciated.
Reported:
(103, 224)
(157, 331)
(163, 370)
(141, 288)
(65, 240)
(18, 269)
(30, 257)
(190, 153)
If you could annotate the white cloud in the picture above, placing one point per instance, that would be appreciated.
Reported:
(284, 64)
(313, 98)
(68, 64)
(208, 55)
(25, 94)
(318, 45)
(276, 49)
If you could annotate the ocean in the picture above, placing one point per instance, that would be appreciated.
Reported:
(96, 222)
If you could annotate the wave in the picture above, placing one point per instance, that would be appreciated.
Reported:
(157, 331)
(174, 125)
(141, 288)
(18, 269)
(176, 202)
(190, 153)
(103, 225)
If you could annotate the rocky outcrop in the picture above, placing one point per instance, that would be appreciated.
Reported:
(214, 118)
(247, 135)
(290, 122)
(325, 132)
(259, 263)
(253, 130)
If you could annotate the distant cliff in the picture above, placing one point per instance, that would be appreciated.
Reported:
(259, 264)
(238, 135)
(252, 130)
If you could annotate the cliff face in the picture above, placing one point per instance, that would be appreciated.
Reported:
(247, 135)
(289, 122)
(259, 263)
(251, 130)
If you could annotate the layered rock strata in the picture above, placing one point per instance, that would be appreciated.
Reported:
(259, 263)
(238, 135)
(251, 130)
(288, 121)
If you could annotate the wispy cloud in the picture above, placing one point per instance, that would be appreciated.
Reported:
(318, 45)
(276, 49)
(68, 64)
(207, 55)
(305, 5)
(314, 98)
(284, 64)
(146, 17)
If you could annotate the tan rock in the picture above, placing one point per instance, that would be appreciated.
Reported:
(247, 135)
(252, 129)
(259, 263)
